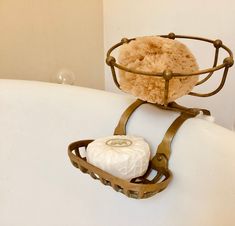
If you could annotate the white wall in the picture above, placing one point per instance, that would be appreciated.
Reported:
(40, 37)
(212, 19)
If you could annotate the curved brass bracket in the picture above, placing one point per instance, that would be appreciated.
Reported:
(160, 161)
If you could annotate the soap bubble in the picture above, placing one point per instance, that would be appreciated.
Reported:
(65, 76)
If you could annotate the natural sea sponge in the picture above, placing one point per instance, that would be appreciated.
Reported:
(156, 54)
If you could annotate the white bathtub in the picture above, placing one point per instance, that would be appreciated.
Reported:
(40, 187)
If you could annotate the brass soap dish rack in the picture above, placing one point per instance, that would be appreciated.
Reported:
(144, 187)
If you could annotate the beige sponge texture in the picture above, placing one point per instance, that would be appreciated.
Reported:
(156, 54)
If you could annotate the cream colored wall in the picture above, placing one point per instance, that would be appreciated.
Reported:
(212, 19)
(40, 37)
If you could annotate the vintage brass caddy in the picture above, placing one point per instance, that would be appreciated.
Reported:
(143, 187)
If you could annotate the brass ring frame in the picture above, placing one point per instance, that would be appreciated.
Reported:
(168, 74)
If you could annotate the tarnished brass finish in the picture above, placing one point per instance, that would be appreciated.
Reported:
(141, 187)
(144, 187)
(217, 44)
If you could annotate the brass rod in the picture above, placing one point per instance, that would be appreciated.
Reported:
(114, 76)
(173, 74)
(215, 91)
(165, 146)
(214, 65)
(190, 37)
(121, 127)
(228, 50)
(117, 45)
(166, 91)
(113, 47)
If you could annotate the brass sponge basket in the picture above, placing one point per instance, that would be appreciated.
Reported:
(167, 75)
(158, 175)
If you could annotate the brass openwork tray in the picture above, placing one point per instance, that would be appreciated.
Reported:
(158, 175)
(142, 187)
(138, 189)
